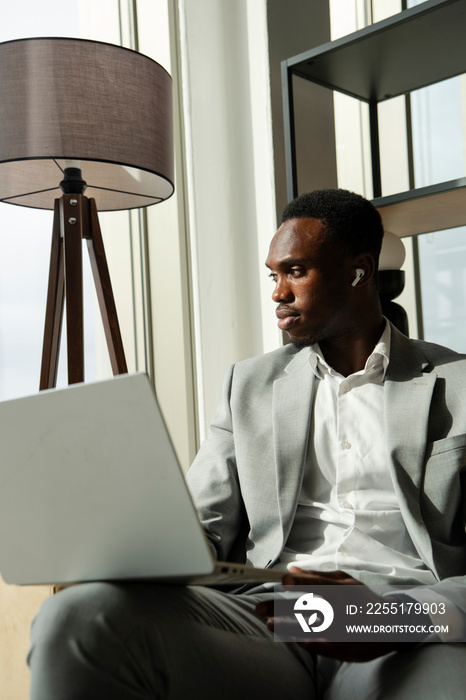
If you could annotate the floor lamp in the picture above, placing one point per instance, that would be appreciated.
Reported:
(77, 117)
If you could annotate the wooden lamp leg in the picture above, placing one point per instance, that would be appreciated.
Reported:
(54, 307)
(72, 218)
(104, 290)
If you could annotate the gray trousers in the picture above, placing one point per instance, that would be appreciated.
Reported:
(139, 641)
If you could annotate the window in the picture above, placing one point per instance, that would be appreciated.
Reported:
(25, 234)
(422, 142)
(438, 125)
(146, 249)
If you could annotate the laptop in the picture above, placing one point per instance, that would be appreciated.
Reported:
(91, 490)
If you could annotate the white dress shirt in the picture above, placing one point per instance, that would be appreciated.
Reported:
(348, 515)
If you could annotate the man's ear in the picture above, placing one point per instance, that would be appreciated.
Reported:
(363, 270)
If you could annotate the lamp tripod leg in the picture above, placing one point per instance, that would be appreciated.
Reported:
(104, 291)
(73, 224)
(54, 307)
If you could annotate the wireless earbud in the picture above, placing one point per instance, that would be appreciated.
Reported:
(359, 273)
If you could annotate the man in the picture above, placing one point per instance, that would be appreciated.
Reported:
(341, 456)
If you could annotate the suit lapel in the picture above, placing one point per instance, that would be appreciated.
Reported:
(408, 393)
(292, 402)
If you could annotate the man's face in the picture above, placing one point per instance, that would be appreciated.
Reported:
(312, 282)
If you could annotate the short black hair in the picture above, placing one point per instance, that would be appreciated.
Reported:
(349, 217)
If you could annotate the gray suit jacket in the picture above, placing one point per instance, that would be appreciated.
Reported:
(246, 478)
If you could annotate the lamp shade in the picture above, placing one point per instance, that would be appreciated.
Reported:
(101, 108)
(393, 253)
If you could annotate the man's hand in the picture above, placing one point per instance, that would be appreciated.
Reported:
(359, 651)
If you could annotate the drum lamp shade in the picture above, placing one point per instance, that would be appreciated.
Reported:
(76, 103)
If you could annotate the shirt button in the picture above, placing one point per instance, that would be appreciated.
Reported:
(346, 445)
(345, 389)
(348, 505)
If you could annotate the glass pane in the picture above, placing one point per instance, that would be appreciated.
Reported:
(438, 156)
(438, 136)
(412, 3)
(352, 144)
(381, 9)
(25, 234)
(442, 257)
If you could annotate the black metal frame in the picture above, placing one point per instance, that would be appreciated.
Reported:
(368, 65)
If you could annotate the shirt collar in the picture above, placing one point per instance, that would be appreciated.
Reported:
(379, 357)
